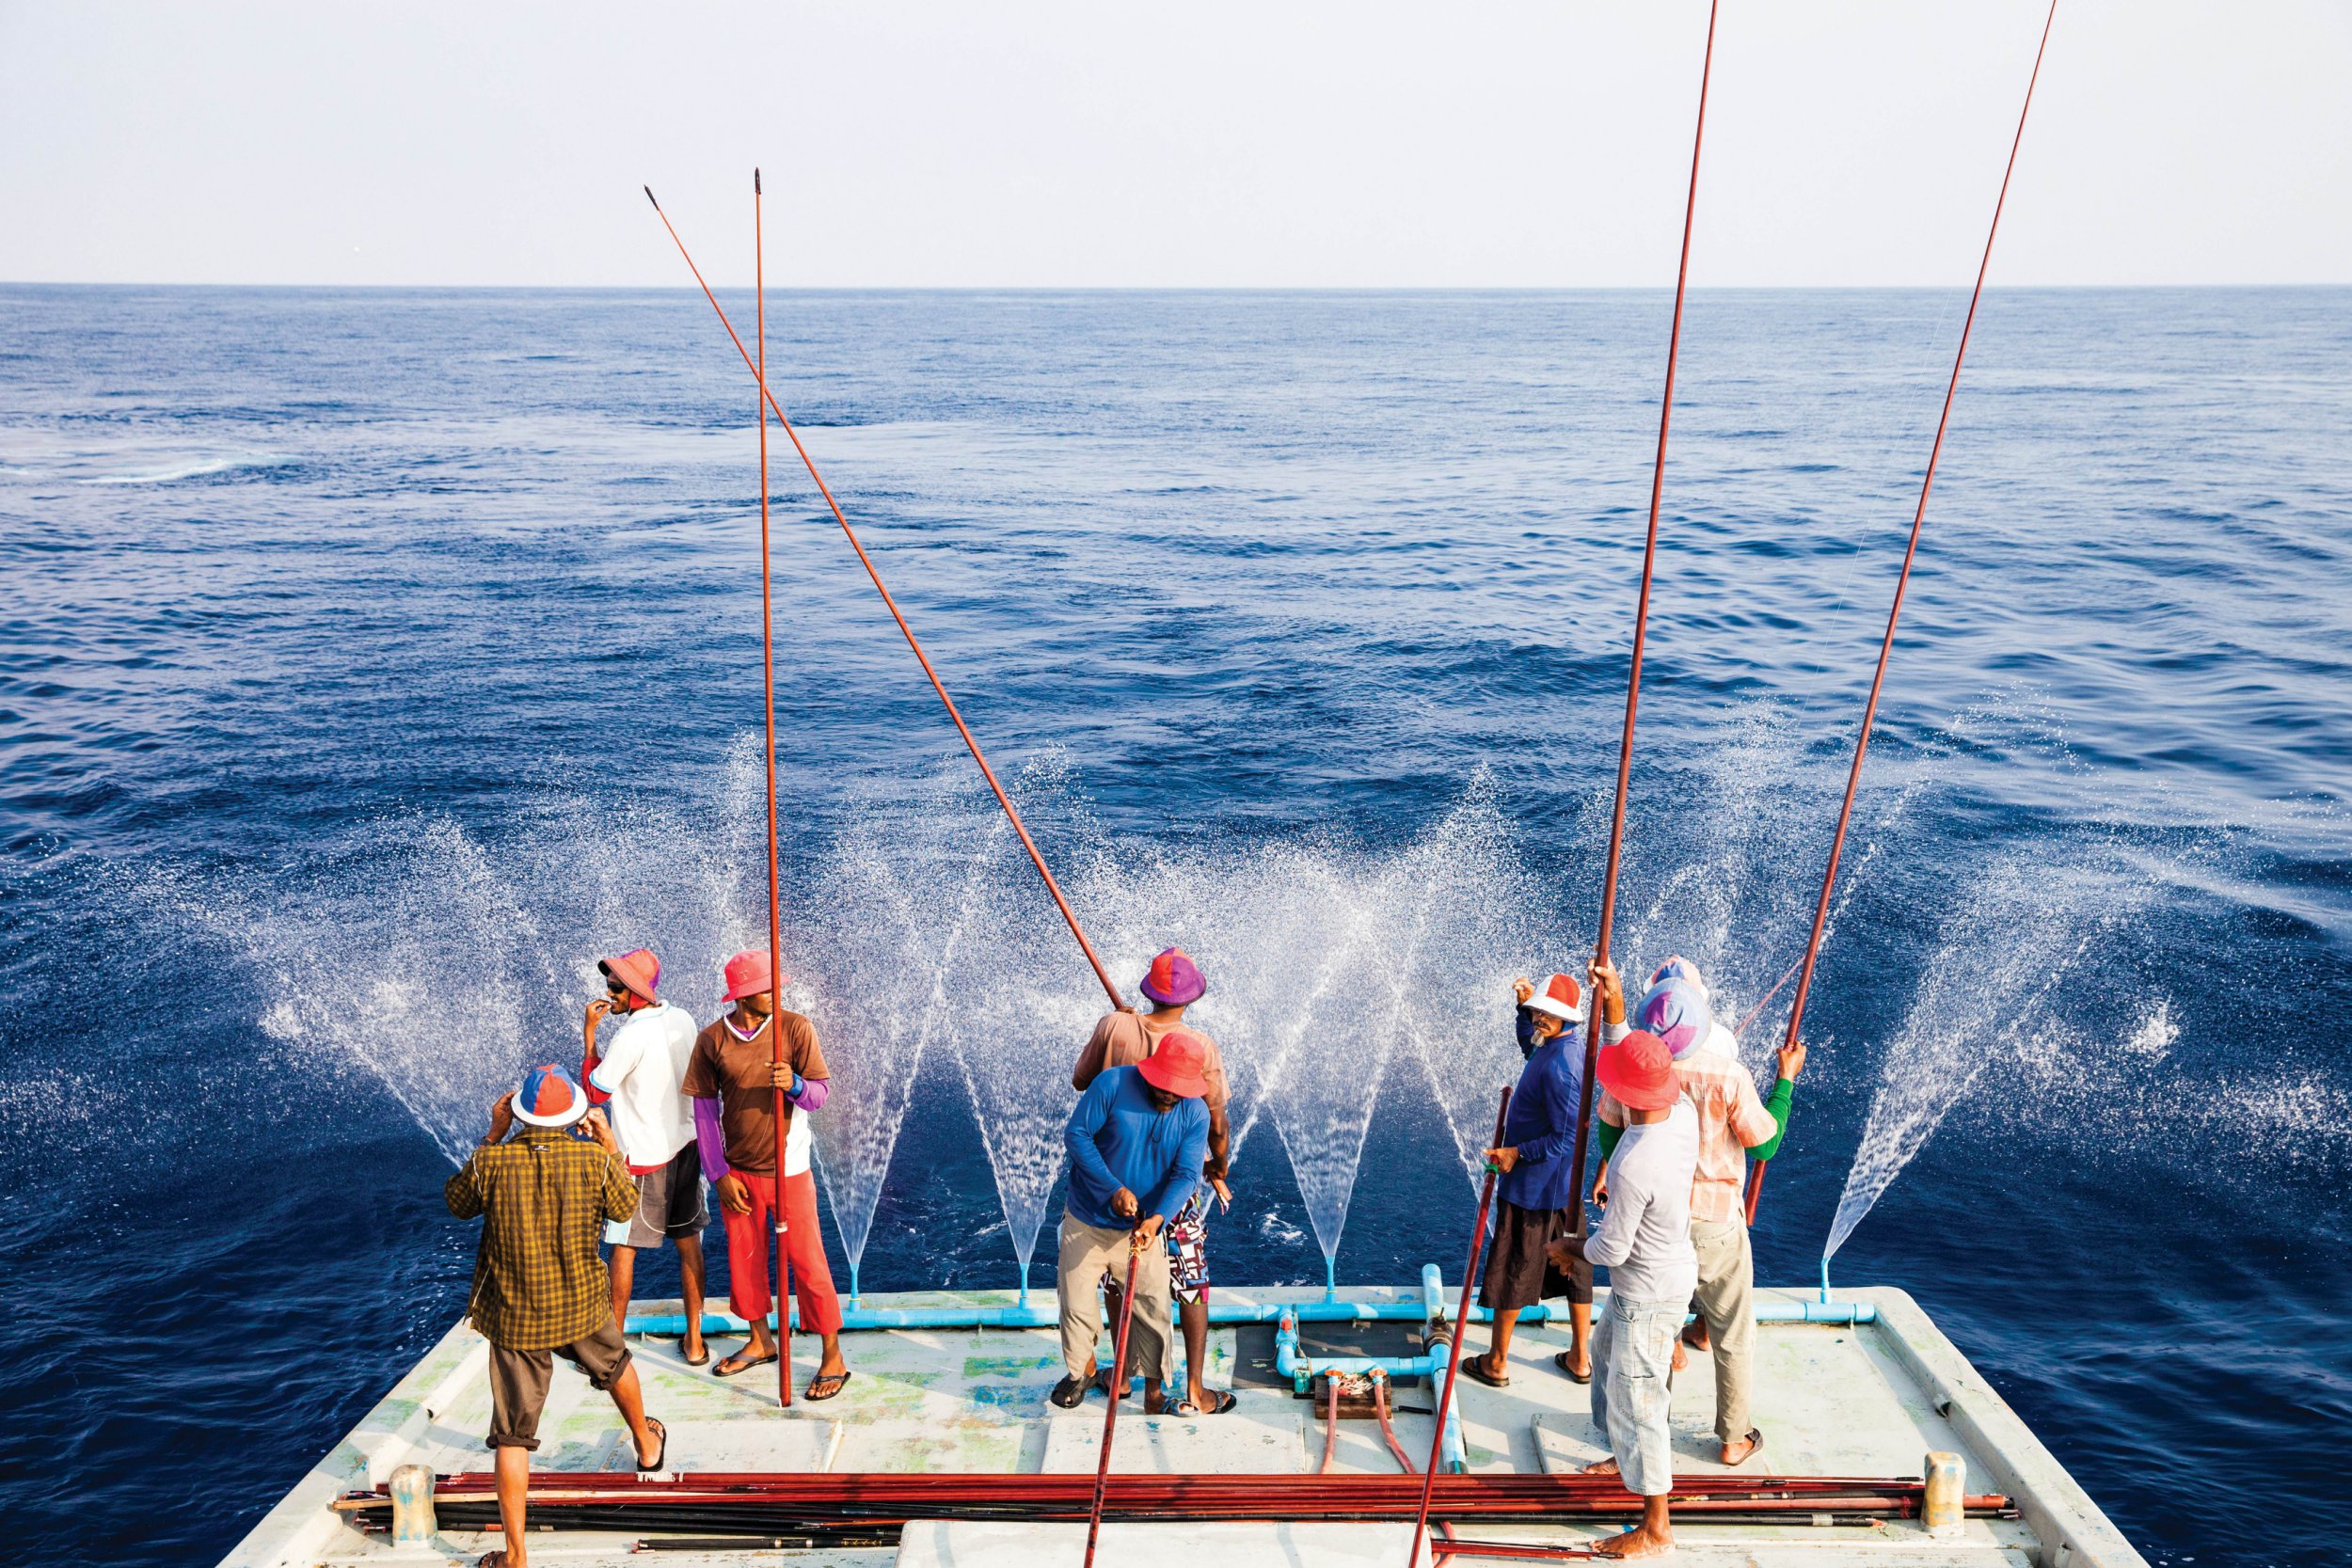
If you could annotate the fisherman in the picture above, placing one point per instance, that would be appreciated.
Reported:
(639, 1077)
(1734, 1126)
(733, 1064)
(1124, 1039)
(1643, 1241)
(1137, 1141)
(539, 1288)
(1541, 1187)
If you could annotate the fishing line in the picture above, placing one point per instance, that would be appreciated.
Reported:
(1903, 581)
(892, 604)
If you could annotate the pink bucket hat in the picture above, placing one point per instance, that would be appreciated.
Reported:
(748, 974)
(1174, 979)
(639, 969)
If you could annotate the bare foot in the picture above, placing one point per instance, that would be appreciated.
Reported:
(1740, 1450)
(1601, 1467)
(1638, 1542)
(1681, 1360)
(1694, 1334)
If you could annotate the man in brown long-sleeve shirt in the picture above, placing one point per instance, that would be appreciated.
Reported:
(540, 1288)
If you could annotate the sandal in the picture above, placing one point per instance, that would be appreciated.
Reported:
(1561, 1361)
(836, 1378)
(735, 1365)
(702, 1360)
(1476, 1366)
(1068, 1394)
(1756, 1436)
(1220, 1401)
(661, 1452)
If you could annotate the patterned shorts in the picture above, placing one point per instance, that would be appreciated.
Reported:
(1188, 1251)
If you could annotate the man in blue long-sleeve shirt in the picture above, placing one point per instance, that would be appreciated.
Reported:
(1541, 1187)
(1136, 1142)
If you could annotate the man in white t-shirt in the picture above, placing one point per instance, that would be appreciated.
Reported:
(1643, 1241)
(639, 1077)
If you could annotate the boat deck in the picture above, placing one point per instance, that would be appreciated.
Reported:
(1854, 1400)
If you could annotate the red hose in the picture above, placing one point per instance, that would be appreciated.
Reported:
(1640, 635)
(1903, 581)
(1330, 1424)
(892, 604)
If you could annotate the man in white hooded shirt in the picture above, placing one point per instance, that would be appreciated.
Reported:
(641, 1074)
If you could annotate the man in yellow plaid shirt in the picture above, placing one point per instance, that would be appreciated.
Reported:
(540, 1286)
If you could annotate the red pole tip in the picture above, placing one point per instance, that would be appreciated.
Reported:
(755, 181)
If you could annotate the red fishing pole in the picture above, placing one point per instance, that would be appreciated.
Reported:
(1461, 1326)
(892, 604)
(1641, 633)
(1117, 1389)
(1903, 581)
(775, 900)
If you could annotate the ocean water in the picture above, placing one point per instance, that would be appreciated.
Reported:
(370, 661)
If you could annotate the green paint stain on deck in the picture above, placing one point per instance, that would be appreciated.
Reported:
(1008, 1366)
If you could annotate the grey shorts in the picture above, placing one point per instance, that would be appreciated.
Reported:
(518, 1381)
(669, 1203)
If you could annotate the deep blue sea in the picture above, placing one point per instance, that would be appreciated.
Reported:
(371, 661)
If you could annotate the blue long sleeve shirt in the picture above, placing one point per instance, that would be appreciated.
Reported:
(1116, 1139)
(1541, 1121)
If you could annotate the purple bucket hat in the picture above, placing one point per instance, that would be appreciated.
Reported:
(1174, 979)
(1676, 1012)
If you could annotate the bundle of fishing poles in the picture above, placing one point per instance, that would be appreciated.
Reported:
(869, 1505)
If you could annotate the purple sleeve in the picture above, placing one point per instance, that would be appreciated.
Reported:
(813, 1093)
(710, 1140)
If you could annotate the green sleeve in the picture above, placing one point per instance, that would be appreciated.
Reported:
(1609, 1137)
(1776, 1103)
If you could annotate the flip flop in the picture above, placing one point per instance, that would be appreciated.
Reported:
(491, 1560)
(1756, 1436)
(702, 1360)
(1476, 1366)
(1220, 1401)
(660, 1453)
(838, 1380)
(1561, 1361)
(739, 1364)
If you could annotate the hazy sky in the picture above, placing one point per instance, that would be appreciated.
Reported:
(1209, 142)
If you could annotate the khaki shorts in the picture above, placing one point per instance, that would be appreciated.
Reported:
(518, 1381)
(669, 1203)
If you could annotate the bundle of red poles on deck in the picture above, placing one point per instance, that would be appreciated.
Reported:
(753, 1502)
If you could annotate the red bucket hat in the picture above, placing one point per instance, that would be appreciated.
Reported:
(640, 970)
(1180, 1066)
(748, 974)
(1640, 1070)
(1174, 979)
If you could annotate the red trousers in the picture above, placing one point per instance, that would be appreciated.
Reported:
(749, 1243)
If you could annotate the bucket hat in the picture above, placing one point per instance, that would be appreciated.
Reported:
(1180, 1066)
(1677, 967)
(1174, 979)
(1675, 1010)
(549, 1098)
(639, 969)
(1640, 1072)
(1559, 995)
(748, 974)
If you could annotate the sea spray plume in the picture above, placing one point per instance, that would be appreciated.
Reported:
(872, 945)
(1985, 1004)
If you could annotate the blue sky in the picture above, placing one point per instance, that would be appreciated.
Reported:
(910, 142)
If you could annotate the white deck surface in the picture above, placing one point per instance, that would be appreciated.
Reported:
(1832, 1401)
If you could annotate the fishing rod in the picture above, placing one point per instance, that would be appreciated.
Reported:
(1903, 581)
(1116, 1391)
(1641, 633)
(892, 604)
(775, 900)
(1461, 1322)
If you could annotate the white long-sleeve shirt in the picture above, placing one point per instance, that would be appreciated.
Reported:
(1645, 1235)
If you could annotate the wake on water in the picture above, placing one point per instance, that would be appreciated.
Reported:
(440, 960)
